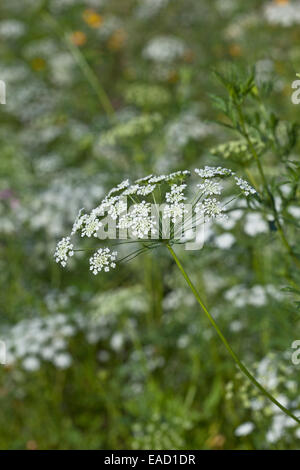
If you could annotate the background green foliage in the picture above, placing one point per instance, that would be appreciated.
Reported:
(98, 91)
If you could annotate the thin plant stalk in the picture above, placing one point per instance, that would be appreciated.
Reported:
(90, 76)
(241, 366)
(88, 72)
(266, 186)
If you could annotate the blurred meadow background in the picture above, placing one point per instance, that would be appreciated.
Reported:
(101, 90)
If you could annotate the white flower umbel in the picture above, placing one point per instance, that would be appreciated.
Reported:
(144, 179)
(174, 211)
(133, 189)
(211, 209)
(176, 195)
(63, 251)
(245, 186)
(157, 179)
(141, 226)
(103, 259)
(124, 184)
(210, 187)
(139, 220)
(91, 225)
(167, 190)
(140, 210)
(178, 174)
(78, 222)
(175, 208)
(211, 172)
(145, 190)
(115, 210)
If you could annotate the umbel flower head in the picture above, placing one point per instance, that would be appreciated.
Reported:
(64, 249)
(153, 210)
(143, 207)
(103, 259)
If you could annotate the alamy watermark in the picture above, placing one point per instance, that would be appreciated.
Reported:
(295, 98)
(2, 92)
(2, 352)
(186, 227)
(296, 353)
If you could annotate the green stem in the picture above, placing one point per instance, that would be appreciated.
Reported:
(90, 76)
(266, 186)
(225, 342)
(84, 66)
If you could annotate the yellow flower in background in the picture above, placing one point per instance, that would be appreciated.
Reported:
(78, 38)
(235, 50)
(117, 40)
(92, 18)
(38, 64)
(281, 2)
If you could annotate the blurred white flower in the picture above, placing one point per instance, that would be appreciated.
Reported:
(257, 297)
(164, 49)
(283, 14)
(244, 429)
(48, 353)
(62, 68)
(236, 326)
(278, 427)
(117, 341)
(62, 360)
(185, 128)
(225, 241)
(264, 71)
(31, 363)
(294, 211)
(255, 224)
(11, 29)
(149, 8)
